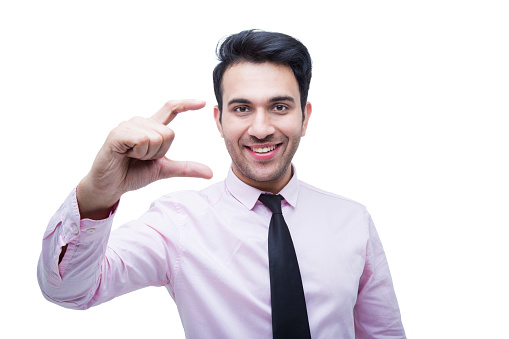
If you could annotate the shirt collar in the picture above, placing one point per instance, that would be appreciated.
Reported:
(249, 195)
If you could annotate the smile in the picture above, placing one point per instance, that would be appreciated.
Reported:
(263, 149)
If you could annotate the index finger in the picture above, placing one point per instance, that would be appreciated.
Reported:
(170, 109)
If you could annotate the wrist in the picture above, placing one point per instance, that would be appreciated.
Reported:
(93, 203)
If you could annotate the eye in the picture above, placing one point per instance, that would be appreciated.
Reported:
(280, 108)
(241, 109)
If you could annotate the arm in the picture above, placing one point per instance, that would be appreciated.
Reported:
(75, 259)
(69, 277)
(99, 266)
(377, 312)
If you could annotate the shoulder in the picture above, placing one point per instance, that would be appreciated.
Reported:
(336, 213)
(329, 199)
(193, 200)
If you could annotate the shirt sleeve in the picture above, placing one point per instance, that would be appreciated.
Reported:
(98, 266)
(377, 312)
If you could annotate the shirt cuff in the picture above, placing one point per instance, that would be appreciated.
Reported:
(77, 230)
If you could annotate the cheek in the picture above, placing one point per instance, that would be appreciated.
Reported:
(231, 135)
(232, 129)
(292, 130)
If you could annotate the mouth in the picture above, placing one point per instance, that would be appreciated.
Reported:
(261, 150)
(265, 152)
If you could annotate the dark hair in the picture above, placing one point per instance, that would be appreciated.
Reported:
(259, 46)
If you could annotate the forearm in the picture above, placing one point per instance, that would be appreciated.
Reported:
(71, 279)
(97, 267)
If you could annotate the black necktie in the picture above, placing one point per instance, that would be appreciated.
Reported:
(289, 314)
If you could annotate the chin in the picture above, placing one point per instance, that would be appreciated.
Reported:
(266, 176)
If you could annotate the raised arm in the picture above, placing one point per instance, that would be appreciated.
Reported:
(76, 269)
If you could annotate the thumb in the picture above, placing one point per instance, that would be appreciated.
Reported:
(172, 168)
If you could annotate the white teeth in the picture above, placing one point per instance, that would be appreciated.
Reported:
(263, 149)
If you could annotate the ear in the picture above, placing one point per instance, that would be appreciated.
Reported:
(307, 114)
(217, 116)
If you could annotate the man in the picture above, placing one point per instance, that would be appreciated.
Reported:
(214, 250)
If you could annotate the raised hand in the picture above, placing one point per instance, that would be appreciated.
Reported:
(132, 157)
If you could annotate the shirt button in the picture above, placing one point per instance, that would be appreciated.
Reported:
(91, 230)
(75, 229)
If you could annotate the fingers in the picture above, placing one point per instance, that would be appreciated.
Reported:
(172, 168)
(149, 145)
(156, 138)
(170, 110)
(142, 139)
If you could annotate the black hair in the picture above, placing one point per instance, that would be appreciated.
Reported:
(258, 47)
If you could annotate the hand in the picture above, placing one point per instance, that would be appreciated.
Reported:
(132, 157)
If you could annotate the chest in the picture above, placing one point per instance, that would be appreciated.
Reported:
(227, 256)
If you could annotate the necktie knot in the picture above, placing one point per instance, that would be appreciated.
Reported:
(273, 202)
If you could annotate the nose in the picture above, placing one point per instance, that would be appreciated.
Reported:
(261, 125)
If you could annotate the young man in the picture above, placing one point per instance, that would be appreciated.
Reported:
(237, 264)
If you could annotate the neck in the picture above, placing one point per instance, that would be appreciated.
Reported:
(273, 186)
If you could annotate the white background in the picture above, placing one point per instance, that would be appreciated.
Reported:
(410, 101)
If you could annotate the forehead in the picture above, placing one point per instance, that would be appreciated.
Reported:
(259, 81)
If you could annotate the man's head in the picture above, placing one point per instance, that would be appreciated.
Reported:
(260, 112)
(259, 47)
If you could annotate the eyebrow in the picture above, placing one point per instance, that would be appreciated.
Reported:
(271, 100)
(282, 98)
(238, 101)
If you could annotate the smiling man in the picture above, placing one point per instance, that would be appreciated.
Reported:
(262, 122)
(258, 255)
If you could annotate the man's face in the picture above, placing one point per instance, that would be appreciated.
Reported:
(262, 122)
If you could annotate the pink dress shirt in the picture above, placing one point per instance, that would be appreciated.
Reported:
(209, 249)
